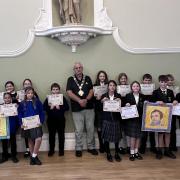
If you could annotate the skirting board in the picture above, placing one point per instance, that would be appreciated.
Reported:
(69, 142)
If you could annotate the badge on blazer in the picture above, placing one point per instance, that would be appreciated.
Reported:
(169, 99)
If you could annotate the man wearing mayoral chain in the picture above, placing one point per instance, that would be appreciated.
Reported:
(80, 91)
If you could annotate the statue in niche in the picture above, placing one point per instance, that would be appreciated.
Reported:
(70, 11)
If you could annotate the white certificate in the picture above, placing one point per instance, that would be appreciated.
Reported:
(175, 89)
(7, 110)
(123, 89)
(55, 99)
(176, 110)
(1, 97)
(112, 106)
(147, 89)
(100, 90)
(21, 95)
(31, 122)
(129, 112)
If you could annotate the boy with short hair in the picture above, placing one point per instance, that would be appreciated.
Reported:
(162, 95)
(56, 121)
(147, 79)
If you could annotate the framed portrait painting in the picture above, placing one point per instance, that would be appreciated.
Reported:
(157, 118)
(4, 128)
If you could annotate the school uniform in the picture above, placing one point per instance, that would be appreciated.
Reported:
(132, 126)
(166, 96)
(124, 143)
(111, 130)
(98, 109)
(29, 108)
(145, 135)
(13, 124)
(14, 97)
(27, 153)
(56, 123)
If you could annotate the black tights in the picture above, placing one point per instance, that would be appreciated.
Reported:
(107, 149)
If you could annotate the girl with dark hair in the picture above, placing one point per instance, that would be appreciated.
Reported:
(133, 126)
(30, 107)
(28, 83)
(101, 80)
(10, 88)
(111, 131)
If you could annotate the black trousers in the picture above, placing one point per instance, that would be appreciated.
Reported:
(5, 143)
(56, 126)
(107, 149)
(173, 133)
(144, 140)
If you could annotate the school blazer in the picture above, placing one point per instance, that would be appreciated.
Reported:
(159, 96)
(111, 116)
(131, 100)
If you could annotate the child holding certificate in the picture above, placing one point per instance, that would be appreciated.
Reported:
(31, 110)
(101, 80)
(56, 120)
(163, 95)
(10, 88)
(133, 125)
(171, 85)
(125, 142)
(14, 124)
(111, 130)
(147, 79)
(27, 83)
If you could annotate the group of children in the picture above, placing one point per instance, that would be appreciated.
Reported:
(29, 107)
(110, 126)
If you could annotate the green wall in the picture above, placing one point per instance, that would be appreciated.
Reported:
(49, 61)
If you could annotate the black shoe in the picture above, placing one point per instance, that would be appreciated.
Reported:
(122, 150)
(138, 156)
(78, 153)
(4, 159)
(117, 157)
(153, 150)
(109, 157)
(92, 151)
(159, 155)
(132, 157)
(50, 153)
(101, 149)
(26, 154)
(173, 148)
(128, 150)
(142, 150)
(9, 155)
(14, 160)
(32, 161)
(35, 161)
(169, 154)
(61, 153)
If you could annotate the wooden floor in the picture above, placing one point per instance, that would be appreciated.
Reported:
(91, 167)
